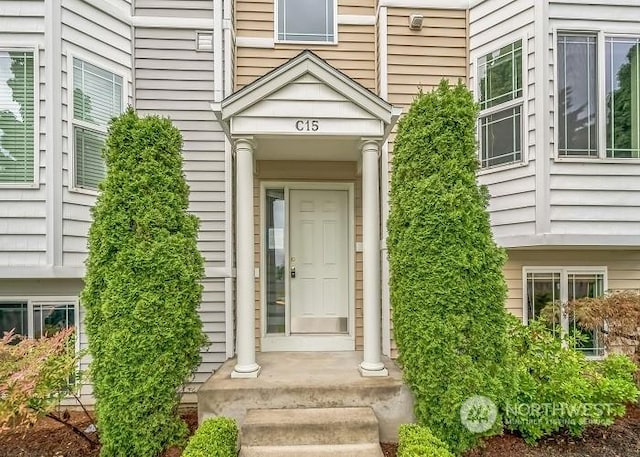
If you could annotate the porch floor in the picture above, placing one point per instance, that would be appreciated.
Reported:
(309, 380)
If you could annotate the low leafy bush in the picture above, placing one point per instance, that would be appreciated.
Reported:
(418, 441)
(559, 389)
(447, 287)
(216, 437)
(35, 375)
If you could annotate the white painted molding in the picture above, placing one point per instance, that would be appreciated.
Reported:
(173, 22)
(41, 272)
(255, 42)
(356, 19)
(552, 240)
(448, 4)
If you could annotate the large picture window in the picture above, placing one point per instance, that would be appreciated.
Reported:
(598, 99)
(17, 104)
(547, 291)
(306, 20)
(501, 99)
(97, 97)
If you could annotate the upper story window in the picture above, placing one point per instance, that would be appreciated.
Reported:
(501, 99)
(97, 97)
(17, 117)
(588, 77)
(306, 20)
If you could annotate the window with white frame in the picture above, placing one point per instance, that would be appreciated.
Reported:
(582, 130)
(501, 100)
(17, 116)
(36, 318)
(97, 97)
(306, 20)
(548, 290)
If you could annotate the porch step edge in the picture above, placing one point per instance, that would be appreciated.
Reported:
(314, 450)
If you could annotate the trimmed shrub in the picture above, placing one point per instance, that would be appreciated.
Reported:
(559, 389)
(417, 441)
(216, 437)
(447, 288)
(142, 289)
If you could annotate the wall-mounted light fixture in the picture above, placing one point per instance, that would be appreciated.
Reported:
(415, 21)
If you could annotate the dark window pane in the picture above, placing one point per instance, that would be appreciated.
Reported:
(579, 286)
(543, 298)
(13, 316)
(622, 56)
(51, 318)
(275, 261)
(577, 95)
(501, 137)
(500, 76)
(306, 20)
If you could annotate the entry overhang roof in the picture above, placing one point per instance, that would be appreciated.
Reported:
(305, 63)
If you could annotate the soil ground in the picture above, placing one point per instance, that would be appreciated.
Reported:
(50, 439)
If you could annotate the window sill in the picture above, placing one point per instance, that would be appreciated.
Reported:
(27, 185)
(80, 190)
(305, 43)
(499, 168)
(594, 160)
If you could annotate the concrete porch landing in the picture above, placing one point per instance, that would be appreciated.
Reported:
(309, 380)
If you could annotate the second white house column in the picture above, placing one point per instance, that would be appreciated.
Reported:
(372, 364)
(246, 366)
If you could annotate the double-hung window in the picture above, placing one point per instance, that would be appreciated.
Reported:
(97, 97)
(306, 20)
(36, 318)
(501, 101)
(547, 292)
(598, 99)
(17, 117)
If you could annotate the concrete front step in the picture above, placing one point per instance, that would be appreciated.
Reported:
(314, 450)
(309, 426)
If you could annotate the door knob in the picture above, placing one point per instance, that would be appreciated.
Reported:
(293, 272)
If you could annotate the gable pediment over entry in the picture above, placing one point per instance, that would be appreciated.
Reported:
(306, 96)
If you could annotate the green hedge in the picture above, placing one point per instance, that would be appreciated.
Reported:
(447, 288)
(142, 289)
(417, 441)
(216, 437)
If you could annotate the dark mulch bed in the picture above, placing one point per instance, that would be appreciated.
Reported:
(50, 439)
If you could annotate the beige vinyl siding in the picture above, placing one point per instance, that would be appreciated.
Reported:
(420, 59)
(493, 24)
(23, 211)
(312, 171)
(105, 41)
(176, 81)
(354, 54)
(623, 268)
(592, 197)
(174, 8)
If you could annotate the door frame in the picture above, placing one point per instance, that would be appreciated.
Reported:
(298, 342)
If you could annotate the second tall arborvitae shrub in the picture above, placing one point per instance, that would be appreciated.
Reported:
(142, 289)
(447, 288)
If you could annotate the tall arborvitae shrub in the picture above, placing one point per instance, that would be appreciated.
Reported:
(447, 288)
(142, 289)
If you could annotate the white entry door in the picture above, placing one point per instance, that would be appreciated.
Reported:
(318, 261)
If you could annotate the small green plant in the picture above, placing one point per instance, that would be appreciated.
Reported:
(142, 289)
(559, 389)
(447, 286)
(216, 437)
(417, 441)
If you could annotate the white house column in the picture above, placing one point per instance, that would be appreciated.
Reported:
(372, 364)
(246, 366)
